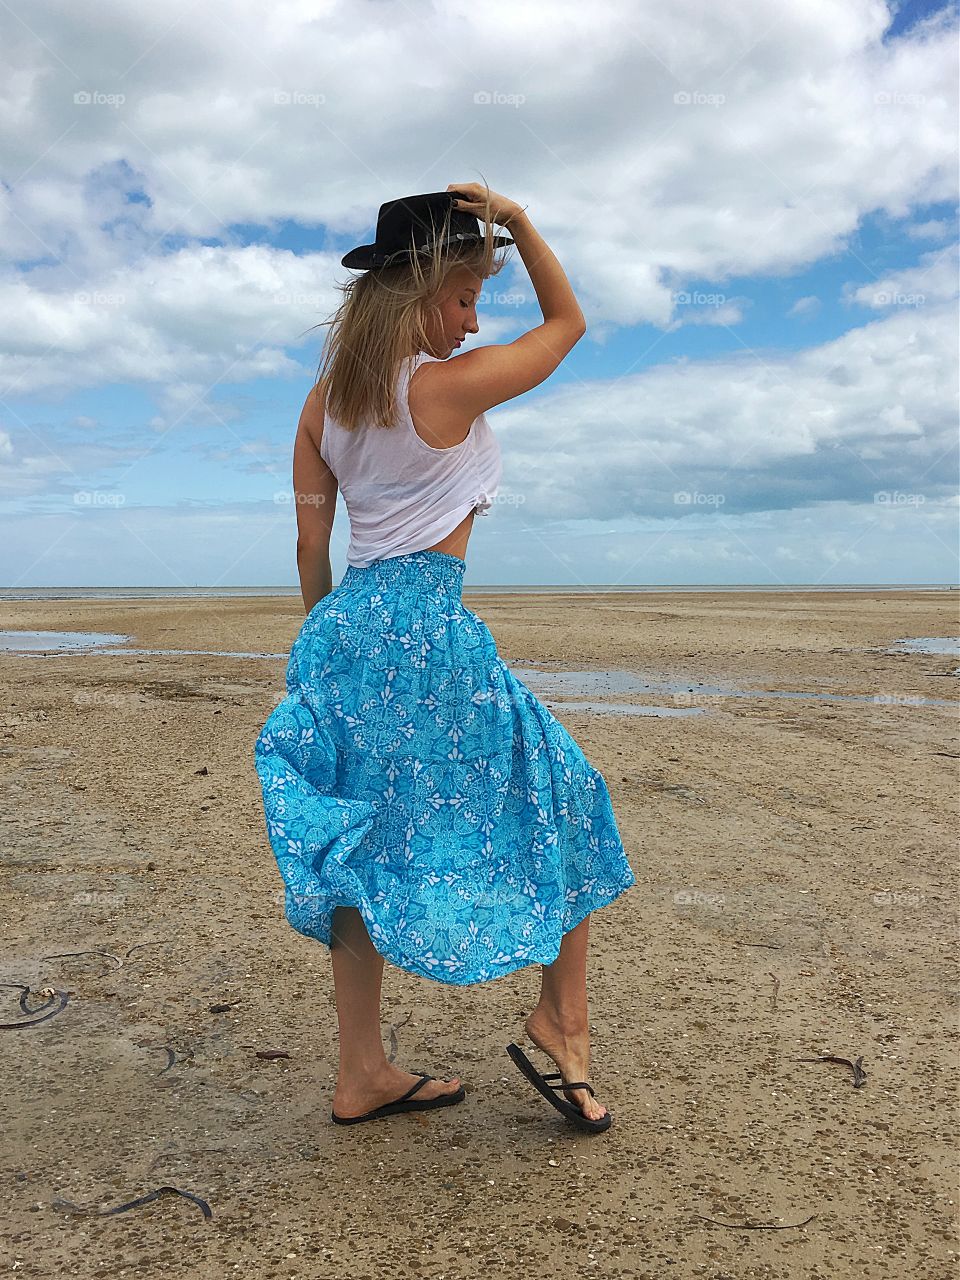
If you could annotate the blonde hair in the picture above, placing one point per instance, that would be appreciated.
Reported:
(380, 322)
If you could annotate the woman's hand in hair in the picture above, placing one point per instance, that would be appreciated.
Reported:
(472, 198)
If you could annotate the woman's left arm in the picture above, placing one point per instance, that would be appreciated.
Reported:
(315, 493)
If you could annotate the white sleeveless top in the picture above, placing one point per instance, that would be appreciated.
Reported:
(402, 494)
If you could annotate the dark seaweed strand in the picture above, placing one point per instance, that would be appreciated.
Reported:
(60, 1203)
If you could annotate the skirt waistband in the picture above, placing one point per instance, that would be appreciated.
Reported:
(418, 569)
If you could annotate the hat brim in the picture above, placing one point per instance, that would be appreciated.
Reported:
(365, 257)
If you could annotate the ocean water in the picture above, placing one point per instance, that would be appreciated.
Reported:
(231, 593)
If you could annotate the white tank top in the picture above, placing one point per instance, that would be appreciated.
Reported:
(402, 494)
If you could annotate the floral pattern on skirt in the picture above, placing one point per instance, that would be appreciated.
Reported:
(407, 772)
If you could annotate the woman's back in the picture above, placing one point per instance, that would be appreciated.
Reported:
(403, 494)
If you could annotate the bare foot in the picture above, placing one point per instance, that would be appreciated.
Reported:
(570, 1050)
(358, 1097)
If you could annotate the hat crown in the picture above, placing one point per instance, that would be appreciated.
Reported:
(420, 219)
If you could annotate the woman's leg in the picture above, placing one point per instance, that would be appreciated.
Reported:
(563, 984)
(358, 979)
(366, 1079)
(559, 1025)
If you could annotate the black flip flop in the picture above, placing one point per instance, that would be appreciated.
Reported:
(406, 1103)
(553, 1092)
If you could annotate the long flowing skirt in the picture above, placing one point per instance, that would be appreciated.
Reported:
(407, 772)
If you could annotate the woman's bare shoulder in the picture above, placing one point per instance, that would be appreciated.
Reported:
(312, 414)
(437, 420)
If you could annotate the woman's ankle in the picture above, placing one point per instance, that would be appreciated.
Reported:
(364, 1070)
(561, 1019)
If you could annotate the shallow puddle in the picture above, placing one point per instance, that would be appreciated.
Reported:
(573, 684)
(41, 643)
(56, 641)
(622, 708)
(928, 644)
(204, 653)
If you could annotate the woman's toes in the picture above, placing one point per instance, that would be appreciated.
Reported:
(592, 1109)
(436, 1087)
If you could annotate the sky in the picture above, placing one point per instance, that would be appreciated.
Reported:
(756, 206)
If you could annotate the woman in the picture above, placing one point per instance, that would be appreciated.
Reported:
(423, 806)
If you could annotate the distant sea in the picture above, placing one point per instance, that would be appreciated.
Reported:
(230, 593)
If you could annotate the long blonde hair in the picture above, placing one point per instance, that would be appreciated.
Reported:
(380, 322)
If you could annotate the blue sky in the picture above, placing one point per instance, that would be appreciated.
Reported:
(757, 209)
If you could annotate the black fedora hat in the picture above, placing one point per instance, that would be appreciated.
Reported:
(420, 219)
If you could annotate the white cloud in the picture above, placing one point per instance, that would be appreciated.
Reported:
(867, 412)
(935, 229)
(636, 191)
(805, 308)
(709, 308)
(38, 464)
(933, 279)
(201, 315)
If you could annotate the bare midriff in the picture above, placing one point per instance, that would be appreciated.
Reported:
(455, 542)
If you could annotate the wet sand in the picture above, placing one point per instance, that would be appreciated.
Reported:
(795, 897)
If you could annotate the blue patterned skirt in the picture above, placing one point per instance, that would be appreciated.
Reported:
(407, 772)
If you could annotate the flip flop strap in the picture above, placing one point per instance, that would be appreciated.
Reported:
(413, 1089)
(577, 1084)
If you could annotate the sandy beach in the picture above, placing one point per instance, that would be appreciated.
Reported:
(796, 897)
